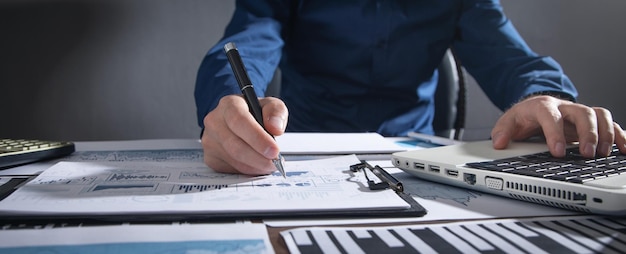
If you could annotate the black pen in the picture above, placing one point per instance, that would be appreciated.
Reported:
(247, 89)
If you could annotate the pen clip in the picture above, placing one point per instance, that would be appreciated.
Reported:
(386, 179)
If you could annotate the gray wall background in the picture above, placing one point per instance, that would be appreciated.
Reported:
(125, 69)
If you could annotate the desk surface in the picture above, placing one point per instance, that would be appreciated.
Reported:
(444, 203)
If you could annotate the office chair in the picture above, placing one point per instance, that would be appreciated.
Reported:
(449, 120)
(450, 99)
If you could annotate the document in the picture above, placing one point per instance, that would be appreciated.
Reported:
(152, 187)
(297, 146)
(135, 150)
(294, 143)
(131, 239)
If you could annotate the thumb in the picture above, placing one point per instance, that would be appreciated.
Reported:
(276, 123)
(275, 115)
(501, 132)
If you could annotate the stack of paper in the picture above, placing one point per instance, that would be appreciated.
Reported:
(127, 188)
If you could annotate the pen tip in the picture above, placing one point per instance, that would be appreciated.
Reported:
(280, 166)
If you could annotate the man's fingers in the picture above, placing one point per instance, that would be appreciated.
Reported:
(605, 129)
(585, 120)
(529, 118)
(220, 159)
(234, 142)
(560, 122)
(247, 130)
(275, 115)
(620, 137)
(246, 160)
(552, 123)
(501, 132)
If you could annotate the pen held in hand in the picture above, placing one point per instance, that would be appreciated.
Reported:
(247, 89)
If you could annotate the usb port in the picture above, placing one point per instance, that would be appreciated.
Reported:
(451, 172)
(433, 168)
(418, 165)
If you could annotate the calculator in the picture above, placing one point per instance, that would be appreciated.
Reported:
(15, 152)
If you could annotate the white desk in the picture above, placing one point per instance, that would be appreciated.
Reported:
(444, 203)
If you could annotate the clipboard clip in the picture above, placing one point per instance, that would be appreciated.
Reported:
(386, 179)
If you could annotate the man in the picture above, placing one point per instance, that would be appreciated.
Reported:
(350, 66)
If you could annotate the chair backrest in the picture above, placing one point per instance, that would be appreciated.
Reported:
(450, 99)
(273, 88)
(450, 102)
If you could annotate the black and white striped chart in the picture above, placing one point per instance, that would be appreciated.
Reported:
(580, 234)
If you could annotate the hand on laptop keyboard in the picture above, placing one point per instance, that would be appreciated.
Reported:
(571, 168)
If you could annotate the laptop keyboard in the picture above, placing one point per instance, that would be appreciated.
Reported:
(571, 168)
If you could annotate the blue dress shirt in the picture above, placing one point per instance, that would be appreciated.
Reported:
(370, 65)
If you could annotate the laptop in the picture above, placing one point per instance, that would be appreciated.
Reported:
(526, 171)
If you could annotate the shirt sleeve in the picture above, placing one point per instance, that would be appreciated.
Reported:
(494, 53)
(255, 28)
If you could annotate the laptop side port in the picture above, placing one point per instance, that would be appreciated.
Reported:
(494, 183)
(433, 168)
(418, 165)
(452, 173)
(469, 178)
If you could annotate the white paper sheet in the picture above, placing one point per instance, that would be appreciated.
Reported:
(291, 144)
(130, 239)
(336, 143)
(146, 149)
(165, 187)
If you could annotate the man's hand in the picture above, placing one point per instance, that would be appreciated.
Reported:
(560, 121)
(233, 142)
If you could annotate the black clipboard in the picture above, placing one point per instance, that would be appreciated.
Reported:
(415, 210)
